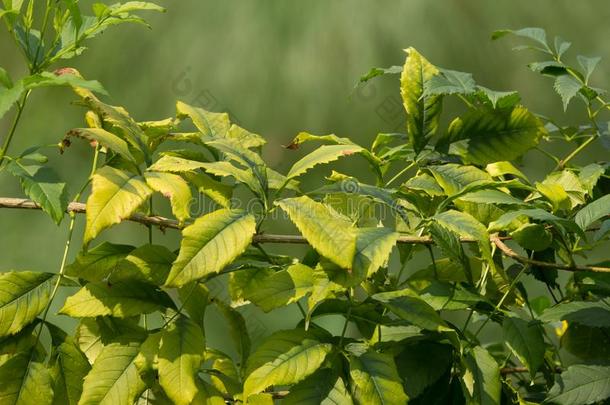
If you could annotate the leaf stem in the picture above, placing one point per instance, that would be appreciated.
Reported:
(403, 171)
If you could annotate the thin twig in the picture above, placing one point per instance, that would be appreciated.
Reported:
(165, 223)
(559, 266)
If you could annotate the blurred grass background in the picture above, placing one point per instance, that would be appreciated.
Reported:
(280, 67)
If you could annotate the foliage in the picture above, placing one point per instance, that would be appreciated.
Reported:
(410, 332)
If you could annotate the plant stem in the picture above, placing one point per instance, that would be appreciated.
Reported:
(562, 163)
(11, 133)
(501, 302)
(347, 318)
(403, 171)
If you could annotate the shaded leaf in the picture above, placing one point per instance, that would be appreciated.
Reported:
(581, 384)
(375, 380)
(180, 354)
(114, 378)
(23, 295)
(121, 300)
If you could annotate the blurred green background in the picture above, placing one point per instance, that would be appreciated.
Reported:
(280, 67)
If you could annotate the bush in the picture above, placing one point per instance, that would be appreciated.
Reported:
(409, 332)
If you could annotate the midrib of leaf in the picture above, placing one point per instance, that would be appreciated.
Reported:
(227, 227)
(123, 372)
(589, 382)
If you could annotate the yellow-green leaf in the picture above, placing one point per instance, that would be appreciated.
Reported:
(121, 300)
(284, 358)
(23, 295)
(331, 234)
(375, 380)
(105, 139)
(423, 111)
(114, 378)
(173, 187)
(180, 354)
(324, 154)
(210, 243)
(115, 196)
(25, 382)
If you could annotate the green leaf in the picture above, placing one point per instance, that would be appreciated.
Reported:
(450, 82)
(453, 178)
(42, 185)
(589, 313)
(406, 305)
(25, 382)
(97, 263)
(486, 136)
(48, 79)
(269, 289)
(284, 358)
(210, 243)
(589, 344)
(323, 154)
(209, 123)
(72, 367)
(105, 139)
(464, 225)
(377, 71)
(147, 264)
(208, 395)
(422, 364)
(173, 187)
(5, 78)
(180, 354)
(324, 387)
(423, 112)
(114, 378)
(588, 64)
(175, 164)
(373, 248)
(93, 334)
(590, 175)
(121, 300)
(23, 295)
(567, 87)
(526, 341)
(538, 35)
(593, 211)
(498, 99)
(533, 237)
(115, 196)
(9, 96)
(237, 330)
(375, 380)
(482, 377)
(243, 176)
(581, 384)
(233, 151)
(329, 233)
(195, 298)
(218, 192)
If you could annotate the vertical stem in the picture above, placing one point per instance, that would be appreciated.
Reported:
(11, 133)
(347, 316)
